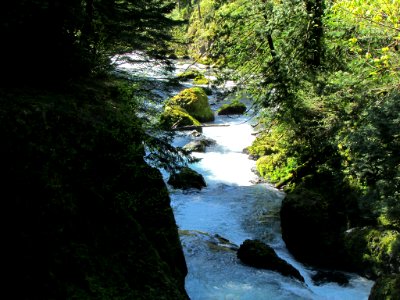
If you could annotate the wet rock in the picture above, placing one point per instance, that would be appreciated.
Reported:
(199, 145)
(322, 277)
(259, 255)
(187, 179)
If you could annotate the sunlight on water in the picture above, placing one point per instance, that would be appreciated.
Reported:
(233, 208)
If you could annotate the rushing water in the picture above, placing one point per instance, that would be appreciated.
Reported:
(235, 209)
(217, 219)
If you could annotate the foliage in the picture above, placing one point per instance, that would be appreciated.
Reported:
(78, 226)
(374, 250)
(76, 38)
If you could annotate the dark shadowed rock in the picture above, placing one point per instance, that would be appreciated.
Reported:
(322, 277)
(187, 179)
(259, 255)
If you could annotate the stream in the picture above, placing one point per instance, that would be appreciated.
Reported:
(213, 222)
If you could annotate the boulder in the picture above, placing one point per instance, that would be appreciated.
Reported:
(187, 179)
(175, 117)
(199, 145)
(259, 255)
(195, 102)
(234, 108)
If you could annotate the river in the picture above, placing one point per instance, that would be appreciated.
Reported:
(231, 209)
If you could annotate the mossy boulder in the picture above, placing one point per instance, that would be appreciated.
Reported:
(175, 117)
(189, 74)
(259, 255)
(201, 80)
(195, 102)
(234, 108)
(187, 179)
(373, 251)
(386, 287)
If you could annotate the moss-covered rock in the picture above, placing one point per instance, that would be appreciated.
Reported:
(259, 255)
(387, 288)
(187, 179)
(175, 117)
(234, 108)
(189, 74)
(195, 102)
(201, 80)
(374, 251)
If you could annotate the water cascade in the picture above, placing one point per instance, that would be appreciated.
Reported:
(213, 222)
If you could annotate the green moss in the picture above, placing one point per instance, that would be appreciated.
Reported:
(264, 144)
(276, 167)
(387, 288)
(189, 74)
(375, 251)
(201, 79)
(234, 108)
(176, 116)
(195, 102)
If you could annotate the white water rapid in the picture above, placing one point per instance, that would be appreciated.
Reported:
(217, 219)
(233, 208)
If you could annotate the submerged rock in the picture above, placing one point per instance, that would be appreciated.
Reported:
(322, 277)
(187, 179)
(259, 255)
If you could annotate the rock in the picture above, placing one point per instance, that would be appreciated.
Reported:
(386, 287)
(259, 255)
(195, 102)
(195, 146)
(186, 179)
(176, 117)
(199, 145)
(234, 108)
(322, 277)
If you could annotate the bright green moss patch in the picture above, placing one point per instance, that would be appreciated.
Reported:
(195, 102)
(189, 74)
(201, 79)
(176, 116)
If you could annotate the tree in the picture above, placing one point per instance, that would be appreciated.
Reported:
(74, 38)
